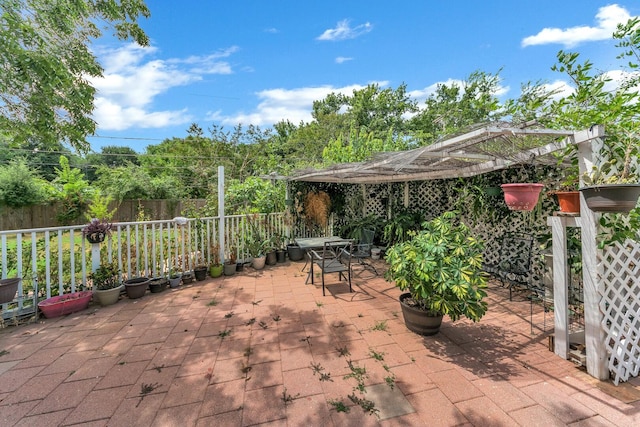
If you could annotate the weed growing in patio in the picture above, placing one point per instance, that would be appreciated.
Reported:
(317, 369)
(229, 315)
(251, 321)
(319, 304)
(224, 334)
(307, 339)
(376, 355)
(263, 325)
(213, 303)
(380, 325)
(276, 318)
(287, 398)
(343, 351)
(256, 302)
(338, 405)
(248, 351)
(158, 368)
(146, 389)
(3, 353)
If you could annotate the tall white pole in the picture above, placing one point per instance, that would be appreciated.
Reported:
(221, 242)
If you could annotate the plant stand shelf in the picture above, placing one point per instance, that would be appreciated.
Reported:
(16, 310)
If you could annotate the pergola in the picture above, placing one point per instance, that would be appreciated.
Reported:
(483, 149)
(494, 147)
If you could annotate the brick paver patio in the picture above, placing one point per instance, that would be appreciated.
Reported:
(262, 348)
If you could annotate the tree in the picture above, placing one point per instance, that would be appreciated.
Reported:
(44, 49)
(458, 105)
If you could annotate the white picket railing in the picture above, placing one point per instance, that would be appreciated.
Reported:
(55, 261)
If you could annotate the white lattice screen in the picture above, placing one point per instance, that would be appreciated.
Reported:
(620, 303)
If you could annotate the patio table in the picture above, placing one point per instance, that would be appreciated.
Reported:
(309, 243)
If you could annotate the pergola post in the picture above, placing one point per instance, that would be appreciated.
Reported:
(593, 317)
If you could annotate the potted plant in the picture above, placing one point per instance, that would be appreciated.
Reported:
(614, 187)
(278, 244)
(565, 189)
(215, 268)
(106, 284)
(440, 267)
(158, 284)
(175, 276)
(230, 266)
(97, 230)
(136, 287)
(200, 272)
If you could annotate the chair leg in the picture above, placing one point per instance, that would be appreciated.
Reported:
(323, 294)
(349, 274)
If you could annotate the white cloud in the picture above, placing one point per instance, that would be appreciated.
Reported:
(129, 85)
(343, 31)
(342, 59)
(294, 105)
(607, 18)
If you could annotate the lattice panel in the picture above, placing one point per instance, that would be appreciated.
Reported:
(376, 200)
(427, 196)
(620, 303)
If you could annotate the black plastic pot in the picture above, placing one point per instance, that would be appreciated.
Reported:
(611, 197)
(271, 258)
(295, 252)
(281, 255)
(200, 273)
(158, 284)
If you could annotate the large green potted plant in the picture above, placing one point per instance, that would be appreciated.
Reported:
(106, 284)
(440, 267)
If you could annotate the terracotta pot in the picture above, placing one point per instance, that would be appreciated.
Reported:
(107, 296)
(136, 287)
(419, 321)
(619, 198)
(569, 201)
(8, 289)
(65, 304)
(521, 197)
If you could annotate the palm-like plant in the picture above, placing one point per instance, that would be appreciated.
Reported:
(441, 266)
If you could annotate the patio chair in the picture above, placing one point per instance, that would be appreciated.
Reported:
(335, 257)
(362, 250)
(513, 267)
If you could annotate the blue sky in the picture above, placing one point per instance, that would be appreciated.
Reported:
(259, 62)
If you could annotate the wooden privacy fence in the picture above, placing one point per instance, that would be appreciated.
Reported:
(44, 216)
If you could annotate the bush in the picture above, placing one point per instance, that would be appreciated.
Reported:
(21, 186)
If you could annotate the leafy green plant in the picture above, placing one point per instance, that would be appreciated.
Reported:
(441, 266)
(106, 277)
(397, 228)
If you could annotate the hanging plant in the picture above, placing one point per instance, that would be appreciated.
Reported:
(317, 206)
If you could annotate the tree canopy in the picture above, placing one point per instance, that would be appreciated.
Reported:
(44, 48)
